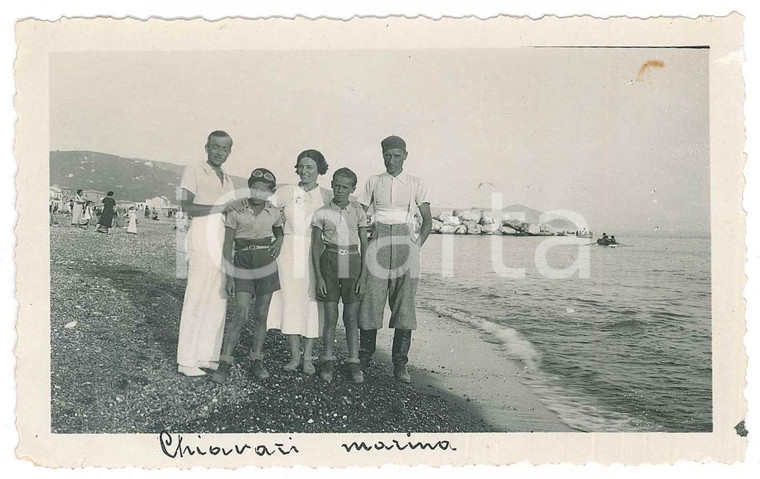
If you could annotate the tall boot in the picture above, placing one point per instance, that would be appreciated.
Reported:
(402, 340)
(367, 344)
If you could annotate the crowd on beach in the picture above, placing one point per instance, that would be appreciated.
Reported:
(295, 252)
(104, 217)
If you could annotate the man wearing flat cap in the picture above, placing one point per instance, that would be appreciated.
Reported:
(393, 255)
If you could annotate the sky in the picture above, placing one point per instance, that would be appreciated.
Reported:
(582, 129)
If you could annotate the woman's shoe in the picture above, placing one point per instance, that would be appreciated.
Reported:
(258, 370)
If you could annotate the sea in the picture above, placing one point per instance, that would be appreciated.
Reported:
(622, 345)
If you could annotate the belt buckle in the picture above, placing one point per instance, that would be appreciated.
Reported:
(342, 252)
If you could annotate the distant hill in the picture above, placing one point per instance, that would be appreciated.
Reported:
(530, 215)
(131, 179)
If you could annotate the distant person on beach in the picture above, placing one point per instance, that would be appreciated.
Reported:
(147, 212)
(107, 215)
(131, 220)
(77, 211)
(393, 255)
(338, 247)
(295, 310)
(87, 215)
(256, 233)
(207, 193)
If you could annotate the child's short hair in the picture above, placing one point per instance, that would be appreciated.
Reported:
(263, 175)
(346, 173)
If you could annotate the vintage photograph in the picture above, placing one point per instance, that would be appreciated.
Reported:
(581, 302)
(400, 243)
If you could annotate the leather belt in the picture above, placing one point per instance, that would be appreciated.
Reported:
(352, 249)
(252, 247)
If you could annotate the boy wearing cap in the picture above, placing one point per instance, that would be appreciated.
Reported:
(338, 246)
(256, 232)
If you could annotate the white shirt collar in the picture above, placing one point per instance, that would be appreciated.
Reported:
(401, 177)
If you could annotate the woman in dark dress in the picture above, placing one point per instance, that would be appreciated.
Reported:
(106, 217)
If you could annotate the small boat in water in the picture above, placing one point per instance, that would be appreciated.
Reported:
(584, 234)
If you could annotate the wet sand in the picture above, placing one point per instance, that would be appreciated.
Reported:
(452, 359)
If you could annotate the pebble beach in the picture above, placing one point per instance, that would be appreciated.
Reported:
(115, 307)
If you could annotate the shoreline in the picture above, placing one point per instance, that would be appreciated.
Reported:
(453, 360)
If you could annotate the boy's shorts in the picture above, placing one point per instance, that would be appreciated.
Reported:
(341, 287)
(257, 272)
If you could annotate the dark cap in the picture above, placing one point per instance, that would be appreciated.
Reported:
(393, 142)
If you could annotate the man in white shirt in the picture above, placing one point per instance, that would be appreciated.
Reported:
(393, 255)
(207, 193)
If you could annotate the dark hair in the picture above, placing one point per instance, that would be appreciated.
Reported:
(260, 178)
(219, 134)
(110, 193)
(318, 159)
(346, 173)
(79, 191)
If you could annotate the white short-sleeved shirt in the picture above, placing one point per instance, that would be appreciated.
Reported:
(340, 226)
(394, 199)
(202, 181)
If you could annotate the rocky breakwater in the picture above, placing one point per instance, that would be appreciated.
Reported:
(477, 222)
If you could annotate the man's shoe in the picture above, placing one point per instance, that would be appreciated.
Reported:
(258, 370)
(401, 374)
(356, 373)
(222, 373)
(328, 369)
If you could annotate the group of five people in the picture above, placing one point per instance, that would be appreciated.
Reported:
(296, 251)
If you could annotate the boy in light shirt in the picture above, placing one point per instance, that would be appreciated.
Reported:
(338, 247)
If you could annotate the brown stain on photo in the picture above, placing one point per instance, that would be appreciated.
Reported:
(647, 67)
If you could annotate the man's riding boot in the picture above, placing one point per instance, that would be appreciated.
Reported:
(367, 340)
(402, 340)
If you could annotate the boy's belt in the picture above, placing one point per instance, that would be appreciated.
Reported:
(252, 247)
(352, 249)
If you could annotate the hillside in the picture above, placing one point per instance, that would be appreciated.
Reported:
(130, 179)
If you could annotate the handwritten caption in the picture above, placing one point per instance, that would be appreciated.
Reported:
(178, 446)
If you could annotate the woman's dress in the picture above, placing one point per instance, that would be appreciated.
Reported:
(132, 226)
(106, 216)
(294, 309)
(77, 210)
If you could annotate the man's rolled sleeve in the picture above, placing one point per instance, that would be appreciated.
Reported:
(365, 198)
(190, 180)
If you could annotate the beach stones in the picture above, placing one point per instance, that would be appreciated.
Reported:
(471, 216)
(487, 219)
(452, 221)
(489, 228)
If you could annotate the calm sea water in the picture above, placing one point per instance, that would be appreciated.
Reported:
(627, 349)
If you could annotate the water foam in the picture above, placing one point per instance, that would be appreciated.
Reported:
(576, 411)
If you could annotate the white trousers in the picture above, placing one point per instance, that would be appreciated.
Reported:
(203, 310)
